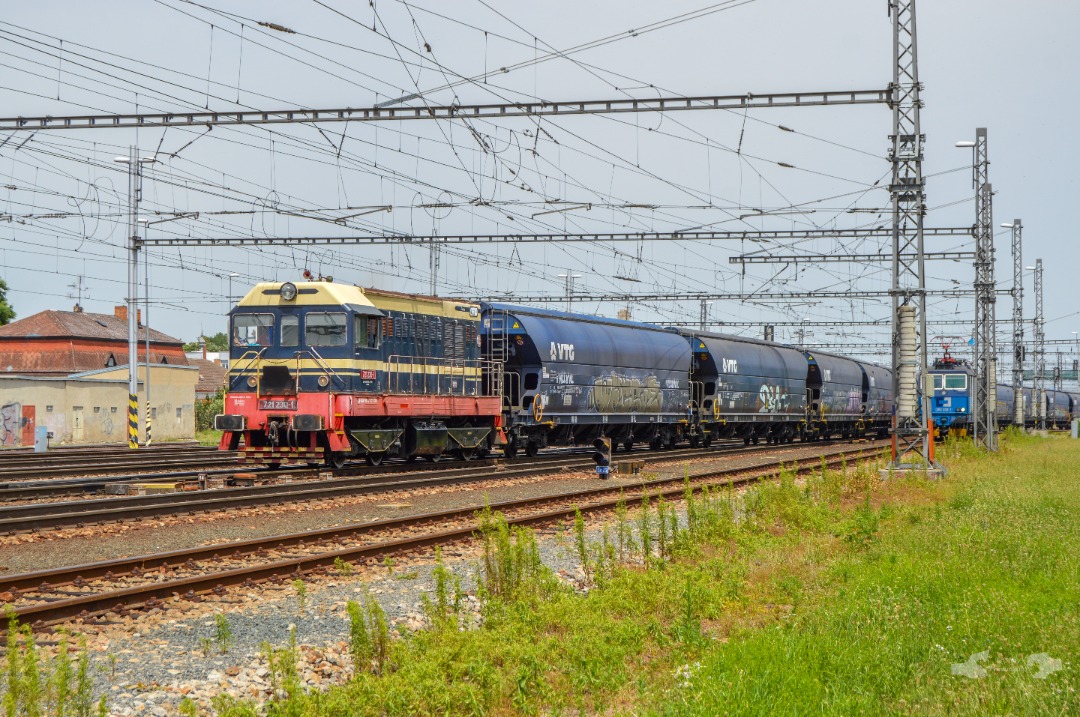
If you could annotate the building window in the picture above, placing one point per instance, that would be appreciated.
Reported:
(112, 410)
(153, 413)
(110, 362)
(48, 409)
(179, 414)
(97, 409)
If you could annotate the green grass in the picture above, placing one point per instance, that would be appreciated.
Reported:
(841, 596)
(208, 437)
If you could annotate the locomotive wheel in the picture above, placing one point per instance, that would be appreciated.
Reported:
(532, 448)
(375, 459)
(336, 459)
(273, 465)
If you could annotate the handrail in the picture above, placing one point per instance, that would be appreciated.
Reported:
(255, 357)
(322, 364)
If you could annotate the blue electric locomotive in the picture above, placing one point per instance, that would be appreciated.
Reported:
(951, 403)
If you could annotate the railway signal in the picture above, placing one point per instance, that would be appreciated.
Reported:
(602, 456)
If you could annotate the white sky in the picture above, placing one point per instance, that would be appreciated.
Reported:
(1011, 67)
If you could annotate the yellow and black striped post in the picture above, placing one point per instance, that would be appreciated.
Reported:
(133, 421)
(148, 424)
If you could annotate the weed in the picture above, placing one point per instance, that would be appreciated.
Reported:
(388, 563)
(223, 634)
(369, 635)
(301, 592)
(206, 645)
(643, 531)
(188, 708)
(580, 544)
(35, 685)
(344, 567)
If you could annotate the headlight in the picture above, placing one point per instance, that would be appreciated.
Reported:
(251, 382)
(324, 380)
(288, 291)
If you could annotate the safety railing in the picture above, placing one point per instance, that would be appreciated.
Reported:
(439, 376)
(236, 371)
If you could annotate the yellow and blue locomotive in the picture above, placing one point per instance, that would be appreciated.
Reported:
(320, 371)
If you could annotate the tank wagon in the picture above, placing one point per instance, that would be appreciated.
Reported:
(567, 379)
(328, 372)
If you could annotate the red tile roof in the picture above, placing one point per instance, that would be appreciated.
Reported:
(70, 324)
(211, 376)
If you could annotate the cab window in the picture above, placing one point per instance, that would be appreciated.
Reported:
(366, 332)
(253, 330)
(955, 381)
(937, 381)
(290, 330)
(324, 329)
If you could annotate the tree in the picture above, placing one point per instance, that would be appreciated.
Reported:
(217, 342)
(6, 312)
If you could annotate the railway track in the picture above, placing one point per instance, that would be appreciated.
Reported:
(29, 517)
(19, 470)
(90, 591)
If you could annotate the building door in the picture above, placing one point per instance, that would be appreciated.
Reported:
(77, 424)
(27, 425)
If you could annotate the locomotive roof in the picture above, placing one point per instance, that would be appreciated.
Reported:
(308, 293)
(421, 304)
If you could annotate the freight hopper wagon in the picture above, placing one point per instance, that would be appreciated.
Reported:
(329, 372)
(569, 379)
(751, 389)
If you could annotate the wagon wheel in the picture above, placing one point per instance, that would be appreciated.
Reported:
(375, 459)
(532, 448)
(467, 454)
(435, 458)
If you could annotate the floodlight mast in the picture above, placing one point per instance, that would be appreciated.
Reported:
(912, 441)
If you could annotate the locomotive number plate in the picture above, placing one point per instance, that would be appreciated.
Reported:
(270, 404)
(367, 375)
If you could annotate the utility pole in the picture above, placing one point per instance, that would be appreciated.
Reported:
(911, 435)
(985, 393)
(1018, 323)
(704, 314)
(1040, 351)
(132, 297)
(434, 267)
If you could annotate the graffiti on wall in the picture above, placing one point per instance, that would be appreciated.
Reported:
(10, 424)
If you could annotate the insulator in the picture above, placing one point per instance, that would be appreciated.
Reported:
(907, 396)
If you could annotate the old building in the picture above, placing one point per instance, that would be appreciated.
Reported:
(67, 371)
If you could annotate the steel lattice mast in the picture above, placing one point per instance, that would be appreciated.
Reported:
(1018, 324)
(1039, 392)
(985, 336)
(912, 438)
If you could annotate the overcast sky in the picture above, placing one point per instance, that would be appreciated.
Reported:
(1008, 66)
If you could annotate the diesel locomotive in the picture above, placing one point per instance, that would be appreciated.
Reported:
(325, 372)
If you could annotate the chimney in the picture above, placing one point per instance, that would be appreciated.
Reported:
(120, 312)
(78, 309)
(202, 344)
